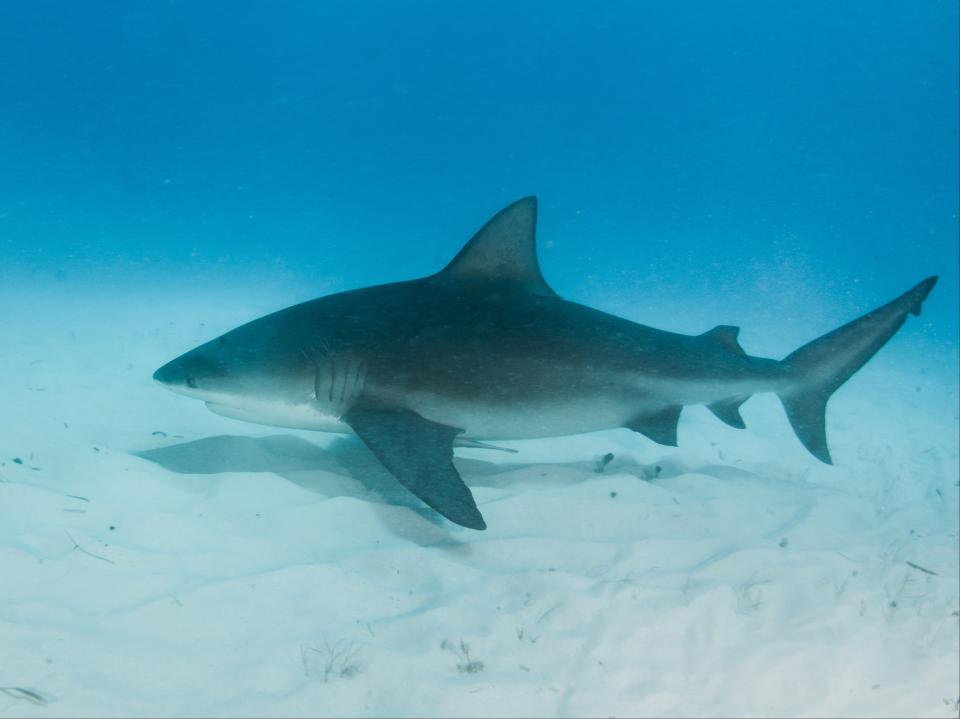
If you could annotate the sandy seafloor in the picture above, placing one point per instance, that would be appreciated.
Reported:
(159, 560)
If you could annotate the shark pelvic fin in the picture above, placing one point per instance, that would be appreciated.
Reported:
(504, 249)
(728, 410)
(725, 335)
(419, 453)
(661, 427)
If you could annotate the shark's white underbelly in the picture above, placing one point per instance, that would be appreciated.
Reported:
(478, 419)
(482, 418)
(527, 420)
(540, 407)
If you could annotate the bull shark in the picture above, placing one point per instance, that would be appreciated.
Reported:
(486, 350)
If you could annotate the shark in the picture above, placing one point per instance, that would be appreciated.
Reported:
(485, 350)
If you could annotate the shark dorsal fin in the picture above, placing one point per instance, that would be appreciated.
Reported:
(726, 335)
(504, 249)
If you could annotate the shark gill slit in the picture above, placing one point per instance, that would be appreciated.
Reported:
(343, 384)
(333, 378)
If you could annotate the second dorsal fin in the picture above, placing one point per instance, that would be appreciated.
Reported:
(725, 335)
(504, 249)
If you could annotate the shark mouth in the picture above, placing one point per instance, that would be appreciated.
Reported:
(284, 416)
(226, 410)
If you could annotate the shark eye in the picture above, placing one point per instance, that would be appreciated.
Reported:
(191, 383)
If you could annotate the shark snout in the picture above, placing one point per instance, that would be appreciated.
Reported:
(169, 374)
(189, 374)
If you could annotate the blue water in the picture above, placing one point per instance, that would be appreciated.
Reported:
(681, 147)
(172, 168)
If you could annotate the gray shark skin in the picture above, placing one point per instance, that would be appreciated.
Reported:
(484, 349)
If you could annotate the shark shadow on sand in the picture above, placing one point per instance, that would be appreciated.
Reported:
(347, 468)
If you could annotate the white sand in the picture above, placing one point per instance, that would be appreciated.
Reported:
(242, 570)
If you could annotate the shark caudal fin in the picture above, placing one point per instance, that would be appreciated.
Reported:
(816, 370)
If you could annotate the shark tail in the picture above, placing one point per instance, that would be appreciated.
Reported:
(816, 370)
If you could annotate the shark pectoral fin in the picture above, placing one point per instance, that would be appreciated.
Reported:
(661, 426)
(728, 410)
(419, 453)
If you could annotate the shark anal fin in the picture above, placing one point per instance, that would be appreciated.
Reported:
(660, 426)
(728, 410)
(419, 453)
(725, 335)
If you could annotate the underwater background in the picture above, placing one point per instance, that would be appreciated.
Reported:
(170, 169)
(677, 147)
